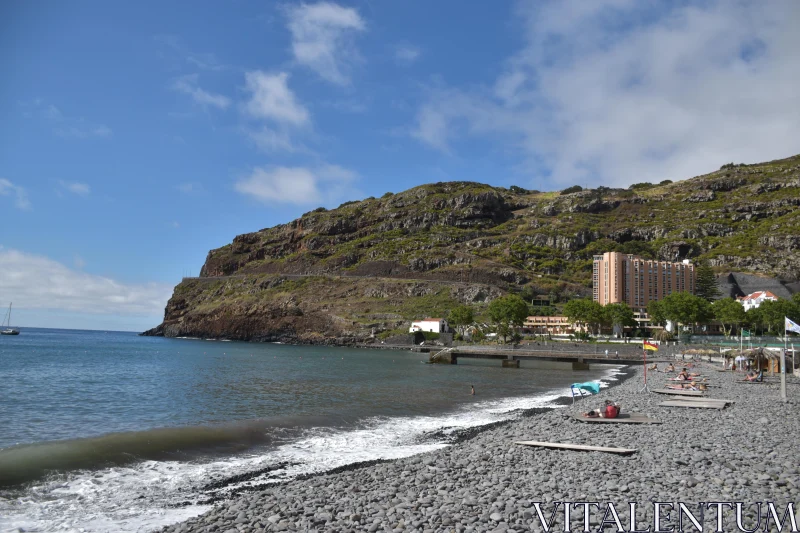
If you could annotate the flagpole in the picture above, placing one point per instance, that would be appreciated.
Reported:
(644, 359)
(783, 358)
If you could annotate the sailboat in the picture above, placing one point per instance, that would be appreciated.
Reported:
(7, 329)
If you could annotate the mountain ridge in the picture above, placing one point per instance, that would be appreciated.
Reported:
(369, 266)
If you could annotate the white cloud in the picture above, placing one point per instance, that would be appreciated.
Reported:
(270, 140)
(37, 282)
(272, 99)
(81, 189)
(173, 49)
(63, 125)
(406, 54)
(322, 39)
(432, 127)
(81, 129)
(190, 187)
(21, 196)
(188, 85)
(618, 91)
(296, 185)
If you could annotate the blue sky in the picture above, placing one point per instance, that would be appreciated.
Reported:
(135, 137)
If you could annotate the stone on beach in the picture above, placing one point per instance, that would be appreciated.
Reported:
(746, 452)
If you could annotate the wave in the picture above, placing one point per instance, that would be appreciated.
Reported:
(145, 480)
(30, 462)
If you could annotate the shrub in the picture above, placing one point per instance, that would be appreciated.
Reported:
(388, 195)
(518, 190)
(643, 185)
(570, 190)
(665, 182)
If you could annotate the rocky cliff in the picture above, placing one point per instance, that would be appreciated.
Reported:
(367, 267)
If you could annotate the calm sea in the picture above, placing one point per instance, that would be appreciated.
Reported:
(109, 431)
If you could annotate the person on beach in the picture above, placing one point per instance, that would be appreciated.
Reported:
(689, 386)
(611, 410)
(683, 375)
(472, 389)
(670, 368)
(753, 376)
(654, 367)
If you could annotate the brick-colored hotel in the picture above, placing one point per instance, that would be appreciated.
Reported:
(637, 281)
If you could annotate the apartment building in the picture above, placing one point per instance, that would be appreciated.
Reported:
(618, 277)
(550, 325)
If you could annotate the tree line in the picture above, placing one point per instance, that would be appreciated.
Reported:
(509, 313)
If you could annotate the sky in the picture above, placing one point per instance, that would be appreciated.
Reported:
(137, 136)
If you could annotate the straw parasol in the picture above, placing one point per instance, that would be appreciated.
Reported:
(700, 351)
(760, 356)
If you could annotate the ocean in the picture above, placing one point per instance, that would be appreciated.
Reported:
(109, 431)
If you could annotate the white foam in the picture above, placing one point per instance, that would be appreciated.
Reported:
(143, 497)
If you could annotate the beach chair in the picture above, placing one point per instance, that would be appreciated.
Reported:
(577, 389)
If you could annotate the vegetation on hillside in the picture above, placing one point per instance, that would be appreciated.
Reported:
(370, 265)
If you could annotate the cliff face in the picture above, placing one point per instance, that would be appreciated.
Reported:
(369, 266)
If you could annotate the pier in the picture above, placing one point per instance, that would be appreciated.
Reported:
(580, 358)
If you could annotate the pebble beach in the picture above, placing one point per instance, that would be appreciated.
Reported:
(747, 452)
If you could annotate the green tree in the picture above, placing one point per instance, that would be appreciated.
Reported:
(507, 313)
(620, 315)
(461, 317)
(729, 312)
(685, 308)
(586, 312)
(706, 283)
(754, 318)
(772, 314)
(655, 310)
(796, 298)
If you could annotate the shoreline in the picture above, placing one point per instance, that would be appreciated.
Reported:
(484, 481)
(440, 436)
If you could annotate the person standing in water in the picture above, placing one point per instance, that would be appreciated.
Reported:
(472, 387)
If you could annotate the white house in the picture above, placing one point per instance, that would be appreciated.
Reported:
(751, 301)
(433, 325)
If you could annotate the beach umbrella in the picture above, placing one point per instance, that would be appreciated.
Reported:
(700, 351)
(761, 356)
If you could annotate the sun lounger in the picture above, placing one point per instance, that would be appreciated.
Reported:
(623, 418)
(695, 404)
(679, 392)
(701, 399)
(576, 447)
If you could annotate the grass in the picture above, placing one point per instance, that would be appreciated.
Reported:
(505, 243)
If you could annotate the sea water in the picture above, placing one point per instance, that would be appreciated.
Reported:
(109, 431)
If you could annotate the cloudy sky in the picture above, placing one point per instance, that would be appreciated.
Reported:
(134, 137)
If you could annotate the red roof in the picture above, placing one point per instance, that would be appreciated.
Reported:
(759, 294)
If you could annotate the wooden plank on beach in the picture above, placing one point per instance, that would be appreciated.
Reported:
(707, 400)
(624, 418)
(577, 447)
(679, 392)
(697, 404)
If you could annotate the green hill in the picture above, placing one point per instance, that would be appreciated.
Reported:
(339, 275)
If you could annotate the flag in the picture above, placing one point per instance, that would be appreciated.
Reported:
(649, 346)
(791, 325)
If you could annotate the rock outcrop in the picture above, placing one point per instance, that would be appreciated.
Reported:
(365, 269)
